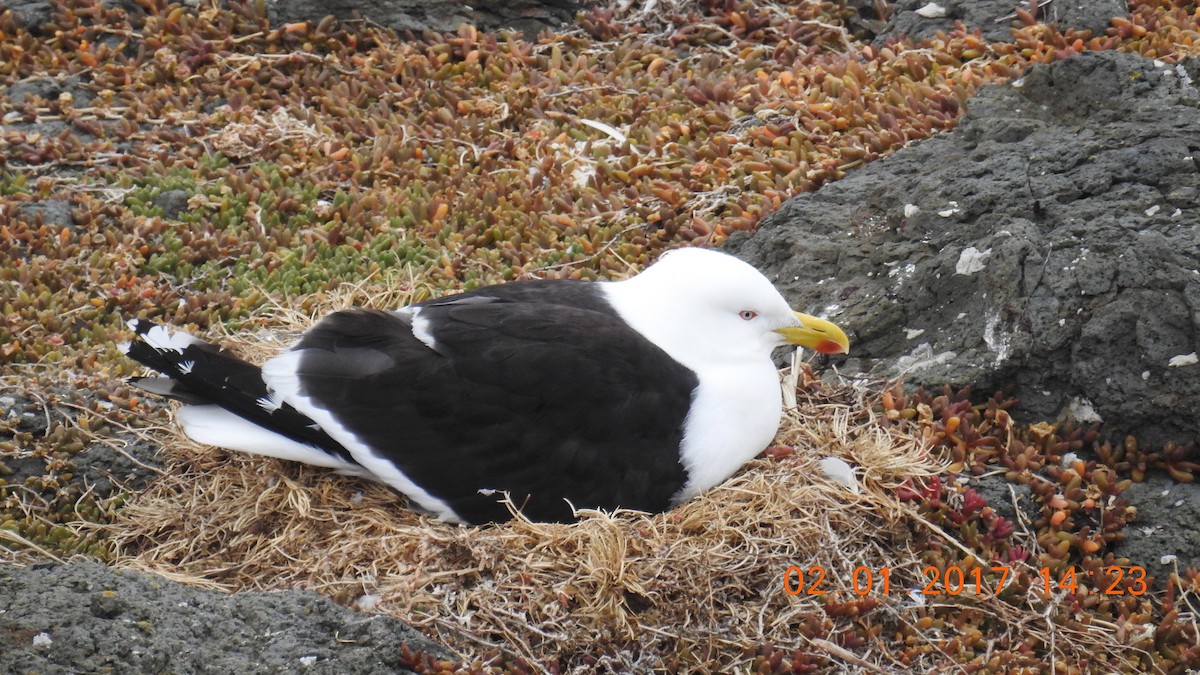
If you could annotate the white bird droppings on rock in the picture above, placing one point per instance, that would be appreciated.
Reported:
(1168, 559)
(931, 11)
(1183, 74)
(996, 339)
(971, 260)
(1083, 411)
(1183, 360)
(913, 332)
(922, 357)
(42, 640)
(911, 210)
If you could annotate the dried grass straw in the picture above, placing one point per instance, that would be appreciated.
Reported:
(700, 584)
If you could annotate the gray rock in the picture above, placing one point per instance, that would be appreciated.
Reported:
(1162, 537)
(528, 16)
(115, 460)
(30, 14)
(48, 89)
(83, 617)
(172, 203)
(105, 470)
(995, 18)
(1011, 501)
(55, 212)
(1051, 241)
(33, 15)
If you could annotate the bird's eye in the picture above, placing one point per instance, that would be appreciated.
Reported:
(747, 314)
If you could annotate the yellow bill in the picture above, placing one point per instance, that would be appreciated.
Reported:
(816, 334)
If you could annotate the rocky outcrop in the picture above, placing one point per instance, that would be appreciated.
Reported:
(1051, 241)
(88, 618)
(920, 19)
(528, 16)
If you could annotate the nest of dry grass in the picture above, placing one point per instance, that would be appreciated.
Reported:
(700, 587)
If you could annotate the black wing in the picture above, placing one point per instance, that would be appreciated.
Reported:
(546, 401)
(203, 373)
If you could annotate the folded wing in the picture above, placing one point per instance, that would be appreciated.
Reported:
(455, 401)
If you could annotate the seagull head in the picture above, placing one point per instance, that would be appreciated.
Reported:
(710, 306)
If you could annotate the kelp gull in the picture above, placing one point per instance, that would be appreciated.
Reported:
(637, 394)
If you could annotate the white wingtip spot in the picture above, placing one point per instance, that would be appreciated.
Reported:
(163, 339)
(186, 367)
(272, 402)
(124, 347)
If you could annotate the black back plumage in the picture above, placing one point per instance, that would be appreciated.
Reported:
(537, 389)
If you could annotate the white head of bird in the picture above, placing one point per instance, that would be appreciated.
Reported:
(705, 308)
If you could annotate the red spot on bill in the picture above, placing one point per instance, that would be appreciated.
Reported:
(829, 347)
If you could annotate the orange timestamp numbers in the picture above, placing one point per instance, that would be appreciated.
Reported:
(953, 580)
(1109, 580)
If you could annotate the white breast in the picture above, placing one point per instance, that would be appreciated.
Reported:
(735, 414)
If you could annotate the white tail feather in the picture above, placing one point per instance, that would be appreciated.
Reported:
(213, 425)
